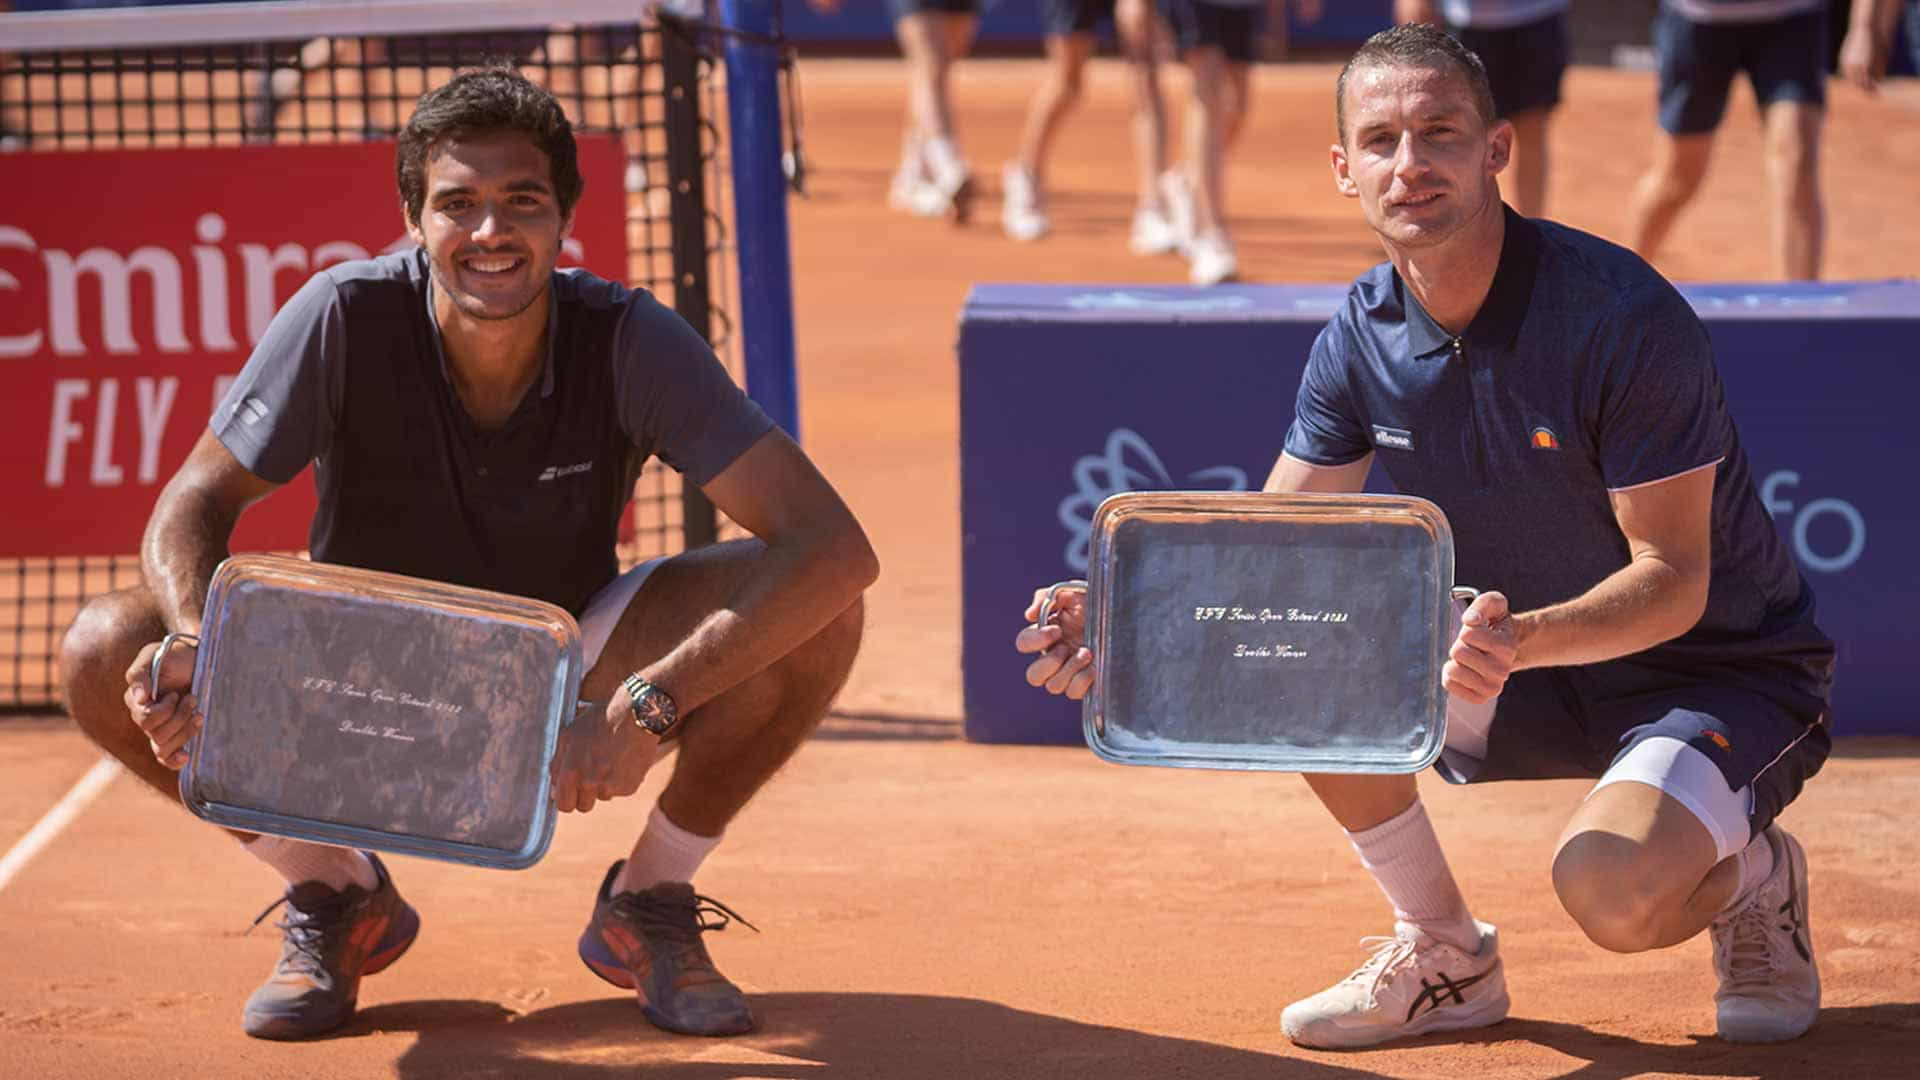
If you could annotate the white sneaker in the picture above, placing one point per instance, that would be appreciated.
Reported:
(1769, 983)
(1411, 985)
(1023, 213)
(949, 187)
(1152, 233)
(1210, 260)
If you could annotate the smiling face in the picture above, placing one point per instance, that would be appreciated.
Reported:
(1417, 152)
(490, 222)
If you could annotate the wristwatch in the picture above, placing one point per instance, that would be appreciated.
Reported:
(653, 708)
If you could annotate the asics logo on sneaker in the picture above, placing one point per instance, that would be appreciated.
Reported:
(1434, 995)
(1796, 930)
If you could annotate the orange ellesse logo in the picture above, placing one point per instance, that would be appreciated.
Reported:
(1545, 439)
(1719, 740)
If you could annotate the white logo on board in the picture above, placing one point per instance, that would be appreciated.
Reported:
(1126, 463)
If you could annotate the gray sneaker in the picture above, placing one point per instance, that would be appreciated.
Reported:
(1769, 983)
(649, 942)
(330, 940)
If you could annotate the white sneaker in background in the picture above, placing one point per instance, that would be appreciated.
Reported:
(1210, 260)
(1023, 211)
(1411, 985)
(1769, 983)
(1152, 233)
(949, 185)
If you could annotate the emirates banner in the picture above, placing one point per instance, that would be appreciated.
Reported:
(133, 286)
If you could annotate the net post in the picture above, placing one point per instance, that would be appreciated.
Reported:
(760, 208)
(687, 198)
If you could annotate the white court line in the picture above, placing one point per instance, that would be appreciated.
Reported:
(75, 800)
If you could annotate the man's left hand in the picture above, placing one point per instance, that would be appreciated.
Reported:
(601, 757)
(1483, 653)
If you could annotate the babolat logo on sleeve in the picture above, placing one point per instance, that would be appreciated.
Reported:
(555, 472)
(1392, 438)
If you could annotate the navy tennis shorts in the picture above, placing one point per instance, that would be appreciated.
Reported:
(1784, 58)
(1063, 17)
(903, 8)
(1197, 24)
(1524, 63)
(1558, 723)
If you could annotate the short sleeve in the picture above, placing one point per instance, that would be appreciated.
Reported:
(1661, 410)
(278, 414)
(1327, 429)
(676, 399)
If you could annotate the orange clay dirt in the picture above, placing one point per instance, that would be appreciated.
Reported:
(936, 909)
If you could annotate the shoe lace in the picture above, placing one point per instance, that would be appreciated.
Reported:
(306, 932)
(1390, 954)
(678, 921)
(1750, 958)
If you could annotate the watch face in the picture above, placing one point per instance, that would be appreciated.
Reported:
(653, 708)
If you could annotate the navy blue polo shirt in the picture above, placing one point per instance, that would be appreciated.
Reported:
(1583, 372)
(350, 377)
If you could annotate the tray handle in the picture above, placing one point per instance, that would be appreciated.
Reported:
(166, 645)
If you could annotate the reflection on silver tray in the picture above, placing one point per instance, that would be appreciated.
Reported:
(1240, 630)
(374, 710)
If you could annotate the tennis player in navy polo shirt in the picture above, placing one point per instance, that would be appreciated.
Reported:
(474, 415)
(1642, 622)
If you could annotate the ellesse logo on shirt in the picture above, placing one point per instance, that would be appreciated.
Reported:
(1392, 438)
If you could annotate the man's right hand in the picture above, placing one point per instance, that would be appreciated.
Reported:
(1065, 664)
(168, 713)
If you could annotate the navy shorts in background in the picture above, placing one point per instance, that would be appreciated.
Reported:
(903, 8)
(1560, 723)
(1784, 58)
(1524, 63)
(1197, 24)
(1063, 17)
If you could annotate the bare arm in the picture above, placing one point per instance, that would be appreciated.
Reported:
(817, 563)
(1656, 597)
(191, 524)
(1290, 474)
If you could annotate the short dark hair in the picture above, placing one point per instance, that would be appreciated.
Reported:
(491, 98)
(1415, 45)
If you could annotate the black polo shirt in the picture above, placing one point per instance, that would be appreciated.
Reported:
(1583, 372)
(351, 377)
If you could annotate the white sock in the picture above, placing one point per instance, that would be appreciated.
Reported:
(299, 861)
(1756, 864)
(664, 852)
(1404, 857)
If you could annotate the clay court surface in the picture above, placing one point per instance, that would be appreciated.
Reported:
(936, 909)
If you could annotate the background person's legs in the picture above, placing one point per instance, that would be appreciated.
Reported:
(1529, 164)
(1142, 39)
(931, 41)
(1793, 175)
(1679, 165)
(1212, 117)
(1026, 176)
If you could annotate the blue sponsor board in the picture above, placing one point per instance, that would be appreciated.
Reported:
(1070, 393)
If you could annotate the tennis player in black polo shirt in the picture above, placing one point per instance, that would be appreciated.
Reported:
(474, 416)
(1644, 624)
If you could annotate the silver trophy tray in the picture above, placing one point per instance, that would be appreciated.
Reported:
(1241, 630)
(378, 711)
